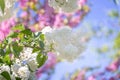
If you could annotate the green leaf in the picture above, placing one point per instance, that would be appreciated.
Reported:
(113, 14)
(16, 49)
(117, 41)
(17, 78)
(36, 50)
(2, 5)
(2, 53)
(27, 32)
(37, 34)
(42, 37)
(6, 59)
(9, 40)
(8, 51)
(19, 27)
(41, 44)
(21, 35)
(41, 59)
(6, 75)
(14, 35)
(1, 60)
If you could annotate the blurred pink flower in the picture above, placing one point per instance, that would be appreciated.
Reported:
(23, 3)
(23, 14)
(114, 65)
(91, 78)
(82, 2)
(5, 27)
(2, 36)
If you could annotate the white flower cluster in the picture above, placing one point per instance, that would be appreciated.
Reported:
(64, 5)
(27, 61)
(24, 67)
(66, 42)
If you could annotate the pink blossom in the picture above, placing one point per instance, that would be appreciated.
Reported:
(5, 28)
(24, 14)
(91, 78)
(47, 16)
(23, 3)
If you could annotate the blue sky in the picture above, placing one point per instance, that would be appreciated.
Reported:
(99, 10)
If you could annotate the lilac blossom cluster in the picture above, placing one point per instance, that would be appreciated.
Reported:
(38, 15)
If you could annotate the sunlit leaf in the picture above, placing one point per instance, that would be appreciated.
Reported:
(42, 37)
(36, 50)
(19, 27)
(6, 59)
(8, 51)
(2, 5)
(41, 59)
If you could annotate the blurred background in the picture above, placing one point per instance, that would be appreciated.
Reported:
(100, 61)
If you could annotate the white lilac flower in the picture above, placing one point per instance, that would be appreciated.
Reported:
(29, 58)
(46, 29)
(56, 3)
(70, 6)
(68, 43)
(54, 35)
(26, 53)
(64, 5)
(24, 72)
(25, 64)
(32, 63)
(14, 69)
(13, 77)
(32, 76)
(4, 68)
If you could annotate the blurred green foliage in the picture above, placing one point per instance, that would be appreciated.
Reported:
(113, 14)
(117, 42)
